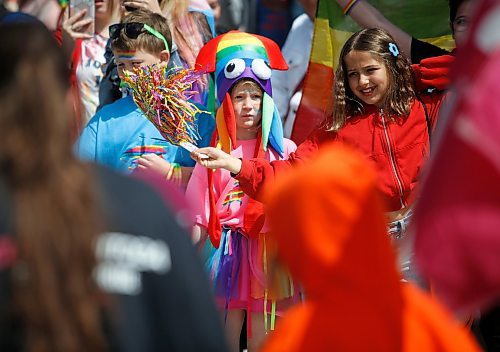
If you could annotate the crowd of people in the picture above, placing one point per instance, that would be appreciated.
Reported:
(116, 237)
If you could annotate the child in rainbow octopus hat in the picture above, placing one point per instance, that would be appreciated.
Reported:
(231, 227)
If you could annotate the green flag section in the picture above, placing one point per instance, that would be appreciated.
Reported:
(427, 20)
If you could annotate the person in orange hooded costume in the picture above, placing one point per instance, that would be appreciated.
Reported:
(333, 238)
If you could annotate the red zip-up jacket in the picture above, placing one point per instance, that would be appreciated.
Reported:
(398, 146)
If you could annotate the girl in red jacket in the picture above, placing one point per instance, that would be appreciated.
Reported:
(377, 111)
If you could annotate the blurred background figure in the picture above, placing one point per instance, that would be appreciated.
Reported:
(47, 11)
(268, 18)
(457, 219)
(231, 15)
(191, 24)
(273, 19)
(287, 85)
(333, 238)
(89, 260)
(87, 55)
(367, 16)
(215, 7)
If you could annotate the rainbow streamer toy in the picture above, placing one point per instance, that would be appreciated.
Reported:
(234, 56)
(163, 96)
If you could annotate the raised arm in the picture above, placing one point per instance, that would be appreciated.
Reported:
(367, 16)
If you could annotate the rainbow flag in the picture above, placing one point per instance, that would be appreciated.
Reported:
(424, 19)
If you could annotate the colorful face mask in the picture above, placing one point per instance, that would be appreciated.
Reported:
(234, 56)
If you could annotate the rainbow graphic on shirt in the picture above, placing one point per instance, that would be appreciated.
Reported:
(131, 155)
(234, 195)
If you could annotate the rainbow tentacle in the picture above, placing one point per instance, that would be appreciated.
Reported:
(224, 142)
(226, 125)
(272, 129)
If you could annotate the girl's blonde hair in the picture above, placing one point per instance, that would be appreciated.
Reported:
(248, 82)
(190, 29)
(400, 93)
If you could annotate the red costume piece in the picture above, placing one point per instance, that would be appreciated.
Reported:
(457, 242)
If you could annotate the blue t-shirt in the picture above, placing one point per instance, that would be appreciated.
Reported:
(119, 134)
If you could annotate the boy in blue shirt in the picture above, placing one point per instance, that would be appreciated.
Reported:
(119, 135)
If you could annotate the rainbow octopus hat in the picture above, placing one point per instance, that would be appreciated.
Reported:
(234, 56)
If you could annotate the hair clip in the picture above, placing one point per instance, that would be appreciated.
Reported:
(393, 48)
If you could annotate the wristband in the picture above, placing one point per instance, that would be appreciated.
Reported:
(176, 176)
(349, 7)
(170, 171)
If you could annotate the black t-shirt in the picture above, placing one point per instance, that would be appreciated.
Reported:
(421, 50)
(149, 267)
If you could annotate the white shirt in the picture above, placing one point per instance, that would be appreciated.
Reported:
(296, 51)
(89, 74)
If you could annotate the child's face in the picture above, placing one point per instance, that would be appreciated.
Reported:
(247, 105)
(367, 76)
(129, 60)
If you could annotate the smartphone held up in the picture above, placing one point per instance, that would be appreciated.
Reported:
(76, 6)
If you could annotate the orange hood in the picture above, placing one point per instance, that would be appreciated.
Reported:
(330, 230)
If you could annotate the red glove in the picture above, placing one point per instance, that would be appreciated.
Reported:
(433, 72)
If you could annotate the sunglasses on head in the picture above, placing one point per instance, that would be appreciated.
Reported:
(133, 29)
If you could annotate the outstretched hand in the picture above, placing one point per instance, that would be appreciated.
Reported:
(217, 159)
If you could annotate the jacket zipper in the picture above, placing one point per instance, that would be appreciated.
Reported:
(393, 163)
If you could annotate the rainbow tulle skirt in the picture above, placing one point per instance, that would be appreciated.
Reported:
(245, 274)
